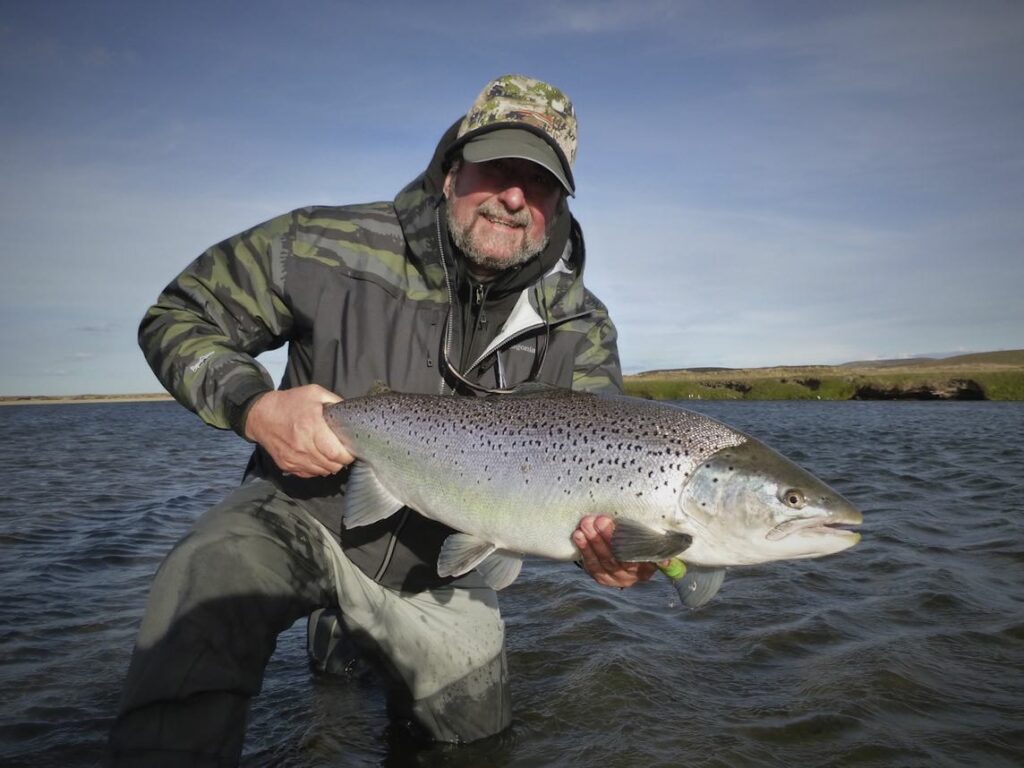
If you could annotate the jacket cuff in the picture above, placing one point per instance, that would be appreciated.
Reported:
(241, 400)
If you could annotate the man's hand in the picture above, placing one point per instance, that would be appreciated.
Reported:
(593, 538)
(289, 424)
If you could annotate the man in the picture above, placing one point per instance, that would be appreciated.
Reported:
(469, 281)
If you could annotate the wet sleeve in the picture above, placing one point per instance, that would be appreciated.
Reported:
(597, 366)
(204, 331)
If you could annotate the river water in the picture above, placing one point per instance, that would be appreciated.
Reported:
(907, 650)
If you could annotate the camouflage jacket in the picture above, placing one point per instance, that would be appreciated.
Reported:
(361, 294)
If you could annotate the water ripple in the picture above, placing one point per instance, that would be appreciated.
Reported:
(906, 650)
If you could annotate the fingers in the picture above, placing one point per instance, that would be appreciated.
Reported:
(595, 549)
(593, 539)
(290, 426)
(313, 450)
(327, 452)
(645, 571)
(321, 452)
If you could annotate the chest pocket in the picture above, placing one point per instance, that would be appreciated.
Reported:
(366, 335)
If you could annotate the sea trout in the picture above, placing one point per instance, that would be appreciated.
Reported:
(513, 474)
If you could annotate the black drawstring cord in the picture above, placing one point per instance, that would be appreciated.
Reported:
(539, 354)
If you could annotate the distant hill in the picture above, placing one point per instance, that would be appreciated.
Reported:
(1003, 357)
(976, 376)
(1010, 357)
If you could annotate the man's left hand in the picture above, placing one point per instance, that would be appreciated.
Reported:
(593, 538)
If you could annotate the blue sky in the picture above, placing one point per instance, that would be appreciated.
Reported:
(759, 182)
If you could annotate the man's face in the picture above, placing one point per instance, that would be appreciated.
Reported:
(499, 211)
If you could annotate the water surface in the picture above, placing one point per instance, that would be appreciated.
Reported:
(906, 650)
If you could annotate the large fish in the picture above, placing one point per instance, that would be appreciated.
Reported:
(513, 474)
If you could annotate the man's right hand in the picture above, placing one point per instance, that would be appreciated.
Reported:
(289, 424)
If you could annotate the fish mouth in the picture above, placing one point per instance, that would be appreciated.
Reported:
(817, 526)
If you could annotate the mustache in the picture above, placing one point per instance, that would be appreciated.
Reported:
(497, 212)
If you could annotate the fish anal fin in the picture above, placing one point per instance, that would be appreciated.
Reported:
(500, 569)
(635, 542)
(366, 500)
(699, 585)
(461, 553)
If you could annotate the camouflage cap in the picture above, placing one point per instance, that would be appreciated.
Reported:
(518, 116)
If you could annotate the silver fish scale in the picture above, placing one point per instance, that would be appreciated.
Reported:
(529, 457)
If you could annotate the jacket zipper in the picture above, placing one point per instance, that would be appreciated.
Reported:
(476, 322)
(480, 292)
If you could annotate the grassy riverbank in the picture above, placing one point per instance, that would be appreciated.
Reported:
(982, 376)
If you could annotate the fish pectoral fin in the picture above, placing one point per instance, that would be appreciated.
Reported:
(634, 542)
(461, 553)
(366, 500)
(500, 569)
(698, 585)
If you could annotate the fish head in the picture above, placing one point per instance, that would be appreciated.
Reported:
(747, 504)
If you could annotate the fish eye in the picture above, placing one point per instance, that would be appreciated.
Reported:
(794, 498)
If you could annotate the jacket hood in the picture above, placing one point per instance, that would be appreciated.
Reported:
(420, 207)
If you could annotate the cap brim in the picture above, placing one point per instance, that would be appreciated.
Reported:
(512, 142)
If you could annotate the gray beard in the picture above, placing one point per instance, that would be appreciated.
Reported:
(464, 241)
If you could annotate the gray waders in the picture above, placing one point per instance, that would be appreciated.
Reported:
(248, 570)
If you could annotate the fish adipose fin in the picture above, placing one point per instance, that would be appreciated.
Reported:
(698, 585)
(499, 570)
(366, 500)
(633, 542)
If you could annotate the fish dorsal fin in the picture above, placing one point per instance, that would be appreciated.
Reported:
(461, 553)
(699, 585)
(635, 542)
(536, 388)
(500, 569)
(366, 500)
